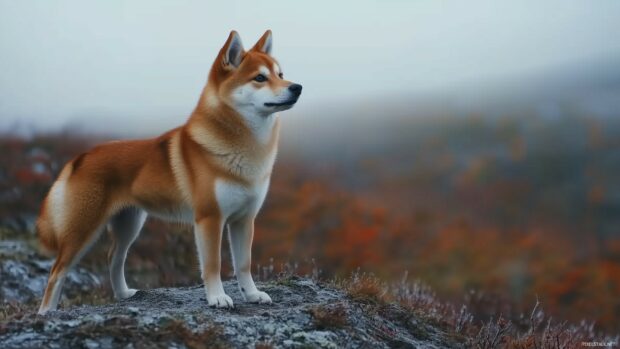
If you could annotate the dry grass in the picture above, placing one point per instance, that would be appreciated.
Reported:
(329, 317)
(15, 310)
(210, 337)
(417, 299)
(125, 330)
(365, 288)
(97, 296)
(539, 332)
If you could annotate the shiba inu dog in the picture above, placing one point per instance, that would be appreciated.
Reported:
(212, 172)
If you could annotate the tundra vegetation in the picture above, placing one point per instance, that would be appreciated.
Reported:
(501, 217)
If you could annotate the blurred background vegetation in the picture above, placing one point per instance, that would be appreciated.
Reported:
(489, 211)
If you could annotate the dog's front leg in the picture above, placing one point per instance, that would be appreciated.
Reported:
(208, 234)
(240, 236)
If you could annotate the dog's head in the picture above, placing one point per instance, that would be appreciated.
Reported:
(250, 82)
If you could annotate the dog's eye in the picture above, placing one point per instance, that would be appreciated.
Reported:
(281, 76)
(260, 78)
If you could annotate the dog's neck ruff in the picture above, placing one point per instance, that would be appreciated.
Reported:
(261, 126)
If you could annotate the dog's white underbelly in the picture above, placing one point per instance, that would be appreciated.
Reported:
(236, 200)
(183, 214)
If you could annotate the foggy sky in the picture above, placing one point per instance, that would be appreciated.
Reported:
(141, 64)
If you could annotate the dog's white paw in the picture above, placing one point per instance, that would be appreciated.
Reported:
(126, 294)
(44, 310)
(258, 297)
(220, 301)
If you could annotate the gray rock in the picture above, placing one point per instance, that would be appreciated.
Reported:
(23, 274)
(173, 316)
(180, 317)
(91, 344)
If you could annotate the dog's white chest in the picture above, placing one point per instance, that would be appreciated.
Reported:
(235, 200)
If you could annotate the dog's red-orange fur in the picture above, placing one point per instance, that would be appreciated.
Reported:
(141, 173)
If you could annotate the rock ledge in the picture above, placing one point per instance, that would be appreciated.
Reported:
(304, 314)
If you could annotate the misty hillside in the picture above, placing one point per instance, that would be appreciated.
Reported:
(589, 88)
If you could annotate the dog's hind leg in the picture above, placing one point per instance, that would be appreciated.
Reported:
(78, 212)
(70, 252)
(54, 287)
(125, 227)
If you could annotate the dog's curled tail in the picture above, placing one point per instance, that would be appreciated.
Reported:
(52, 210)
(48, 243)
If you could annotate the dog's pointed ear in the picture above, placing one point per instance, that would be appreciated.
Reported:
(232, 52)
(264, 43)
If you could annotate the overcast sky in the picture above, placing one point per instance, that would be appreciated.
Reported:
(118, 64)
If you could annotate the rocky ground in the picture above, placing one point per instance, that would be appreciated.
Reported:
(305, 314)
(23, 274)
(358, 312)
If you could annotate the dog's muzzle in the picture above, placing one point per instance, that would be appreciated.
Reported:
(295, 90)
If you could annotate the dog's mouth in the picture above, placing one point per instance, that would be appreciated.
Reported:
(289, 102)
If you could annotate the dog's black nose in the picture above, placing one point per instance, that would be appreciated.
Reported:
(295, 88)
